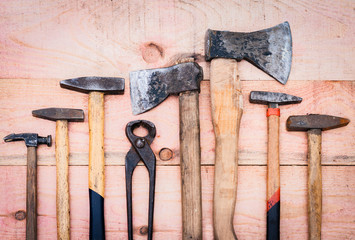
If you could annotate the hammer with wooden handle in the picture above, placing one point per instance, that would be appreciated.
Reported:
(96, 87)
(271, 51)
(151, 87)
(61, 116)
(273, 100)
(314, 124)
(32, 140)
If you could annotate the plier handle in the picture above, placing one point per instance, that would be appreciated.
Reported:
(140, 151)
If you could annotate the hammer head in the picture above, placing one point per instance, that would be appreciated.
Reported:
(272, 97)
(315, 121)
(107, 85)
(54, 114)
(151, 87)
(269, 49)
(31, 139)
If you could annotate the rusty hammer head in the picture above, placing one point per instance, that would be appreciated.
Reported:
(54, 114)
(273, 99)
(269, 49)
(107, 85)
(315, 121)
(31, 139)
(151, 87)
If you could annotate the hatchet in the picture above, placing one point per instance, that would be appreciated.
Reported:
(151, 87)
(271, 51)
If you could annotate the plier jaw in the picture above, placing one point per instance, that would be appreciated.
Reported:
(140, 151)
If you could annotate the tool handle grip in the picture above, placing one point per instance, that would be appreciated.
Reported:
(273, 179)
(96, 165)
(62, 195)
(314, 184)
(190, 162)
(227, 110)
(31, 194)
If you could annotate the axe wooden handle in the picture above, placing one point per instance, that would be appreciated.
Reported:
(96, 165)
(190, 162)
(62, 159)
(314, 184)
(31, 194)
(273, 179)
(227, 110)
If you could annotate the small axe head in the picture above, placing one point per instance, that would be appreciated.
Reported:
(272, 98)
(315, 121)
(54, 114)
(107, 85)
(31, 139)
(269, 49)
(151, 87)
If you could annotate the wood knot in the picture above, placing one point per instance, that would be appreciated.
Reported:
(152, 53)
(143, 230)
(20, 215)
(165, 154)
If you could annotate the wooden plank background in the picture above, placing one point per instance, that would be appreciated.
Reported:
(43, 42)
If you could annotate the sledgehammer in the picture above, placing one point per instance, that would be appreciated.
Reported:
(314, 124)
(96, 87)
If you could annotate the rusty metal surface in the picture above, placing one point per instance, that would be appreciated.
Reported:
(152, 86)
(315, 121)
(54, 114)
(107, 85)
(140, 151)
(269, 49)
(31, 139)
(262, 97)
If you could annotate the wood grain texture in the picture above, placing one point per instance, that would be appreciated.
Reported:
(273, 158)
(249, 219)
(62, 180)
(190, 165)
(31, 194)
(314, 137)
(324, 97)
(96, 143)
(68, 39)
(227, 111)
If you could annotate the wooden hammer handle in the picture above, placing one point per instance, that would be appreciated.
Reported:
(273, 179)
(227, 110)
(96, 165)
(190, 162)
(62, 159)
(314, 184)
(31, 194)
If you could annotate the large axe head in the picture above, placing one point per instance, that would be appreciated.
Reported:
(269, 49)
(152, 86)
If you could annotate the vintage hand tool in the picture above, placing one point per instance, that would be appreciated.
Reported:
(61, 116)
(314, 124)
(96, 87)
(273, 100)
(140, 151)
(32, 140)
(151, 87)
(271, 51)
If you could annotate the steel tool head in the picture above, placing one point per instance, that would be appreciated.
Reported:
(272, 97)
(151, 87)
(107, 85)
(269, 49)
(54, 114)
(315, 121)
(31, 139)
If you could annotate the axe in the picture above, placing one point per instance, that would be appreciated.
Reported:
(151, 87)
(271, 51)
